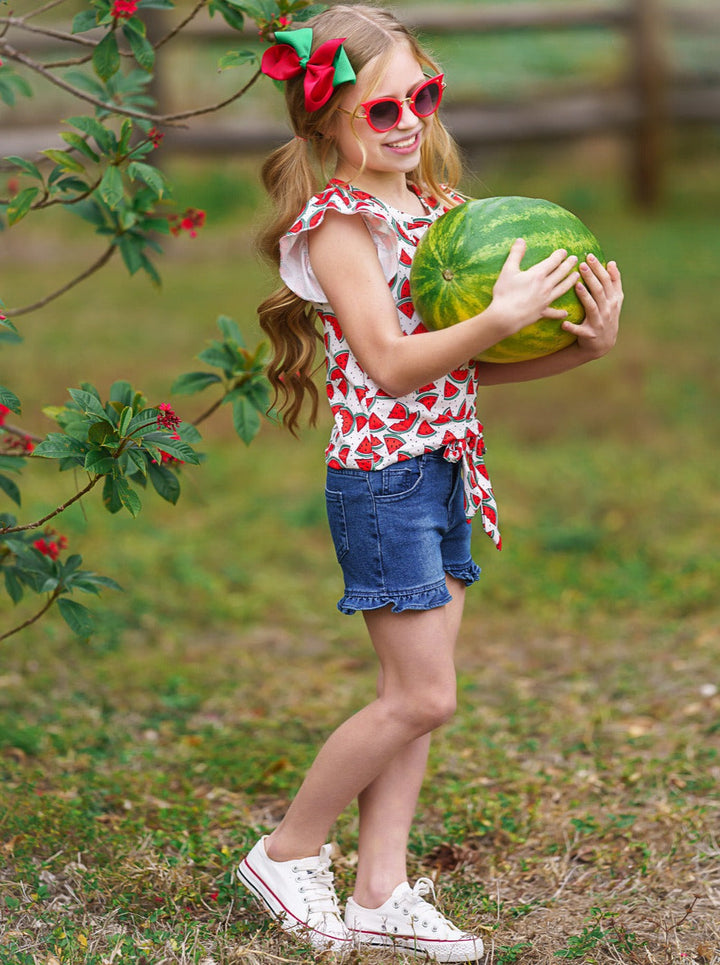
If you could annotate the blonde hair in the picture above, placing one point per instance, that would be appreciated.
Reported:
(289, 177)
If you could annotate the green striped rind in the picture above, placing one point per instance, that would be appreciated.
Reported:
(459, 259)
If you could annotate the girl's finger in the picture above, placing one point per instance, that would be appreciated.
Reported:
(557, 314)
(563, 270)
(553, 261)
(565, 283)
(516, 255)
(590, 276)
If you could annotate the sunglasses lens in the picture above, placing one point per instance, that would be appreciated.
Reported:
(427, 98)
(384, 115)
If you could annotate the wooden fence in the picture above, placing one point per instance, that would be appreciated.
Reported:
(649, 101)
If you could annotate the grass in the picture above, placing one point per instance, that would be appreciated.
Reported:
(571, 809)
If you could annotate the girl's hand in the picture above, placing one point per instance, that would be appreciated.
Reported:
(522, 297)
(601, 294)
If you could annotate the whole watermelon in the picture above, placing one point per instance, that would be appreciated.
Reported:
(459, 259)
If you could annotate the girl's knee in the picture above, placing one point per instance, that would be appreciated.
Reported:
(426, 710)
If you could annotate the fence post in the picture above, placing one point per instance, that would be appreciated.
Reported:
(649, 80)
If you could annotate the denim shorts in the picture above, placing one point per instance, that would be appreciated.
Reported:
(397, 531)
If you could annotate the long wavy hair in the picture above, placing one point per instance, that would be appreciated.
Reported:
(290, 178)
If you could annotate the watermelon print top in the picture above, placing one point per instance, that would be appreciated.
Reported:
(373, 429)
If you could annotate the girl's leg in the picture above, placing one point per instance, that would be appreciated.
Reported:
(415, 649)
(387, 805)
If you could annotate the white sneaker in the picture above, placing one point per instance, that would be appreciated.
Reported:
(410, 924)
(300, 894)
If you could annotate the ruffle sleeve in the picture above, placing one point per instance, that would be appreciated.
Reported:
(295, 268)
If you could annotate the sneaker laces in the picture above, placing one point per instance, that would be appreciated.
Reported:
(428, 915)
(318, 887)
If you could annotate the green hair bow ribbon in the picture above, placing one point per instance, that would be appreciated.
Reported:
(324, 70)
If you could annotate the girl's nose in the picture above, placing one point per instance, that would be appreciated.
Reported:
(407, 117)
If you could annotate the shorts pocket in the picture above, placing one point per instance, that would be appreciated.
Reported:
(338, 524)
(395, 481)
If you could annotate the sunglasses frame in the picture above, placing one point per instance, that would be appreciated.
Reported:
(410, 101)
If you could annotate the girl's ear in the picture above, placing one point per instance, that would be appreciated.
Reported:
(329, 128)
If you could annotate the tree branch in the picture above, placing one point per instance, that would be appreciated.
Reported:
(29, 622)
(44, 9)
(96, 266)
(12, 53)
(208, 412)
(183, 23)
(56, 512)
(19, 23)
(21, 434)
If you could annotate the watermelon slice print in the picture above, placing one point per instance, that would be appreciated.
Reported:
(405, 425)
(375, 423)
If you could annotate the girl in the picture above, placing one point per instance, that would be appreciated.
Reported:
(405, 459)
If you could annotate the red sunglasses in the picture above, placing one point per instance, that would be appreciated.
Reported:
(384, 113)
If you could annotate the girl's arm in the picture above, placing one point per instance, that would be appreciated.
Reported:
(602, 296)
(345, 262)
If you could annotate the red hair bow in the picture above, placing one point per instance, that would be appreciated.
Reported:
(324, 69)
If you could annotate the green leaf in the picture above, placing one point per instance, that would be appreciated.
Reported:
(151, 271)
(13, 586)
(27, 166)
(165, 481)
(89, 403)
(80, 144)
(175, 448)
(219, 356)
(131, 250)
(111, 497)
(91, 211)
(10, 84)
(99, 433)
(65, 160)
(257, 393)
(257, 9)
(134, 32)
(85, 20)
(143, 422)
(232, 17)
(10, 464)
(306, 12)
(20, 205)
(77, 617)
(111, 188)
(90, 582)
(230, 330)
(138, 171)
(236, 58)
(126, 129)
(106, 57)
(59, 446)
(128, 497)
(138, 458)
(246, 420)
(11, 489)
(122, 392)
(189, 433)
(10, 400)
(192, 382)
(104, 138)
(99, 462)
(125, 419)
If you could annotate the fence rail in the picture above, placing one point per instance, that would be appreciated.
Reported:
(648, 102)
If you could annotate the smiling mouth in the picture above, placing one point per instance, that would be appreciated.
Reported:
(406, 143)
